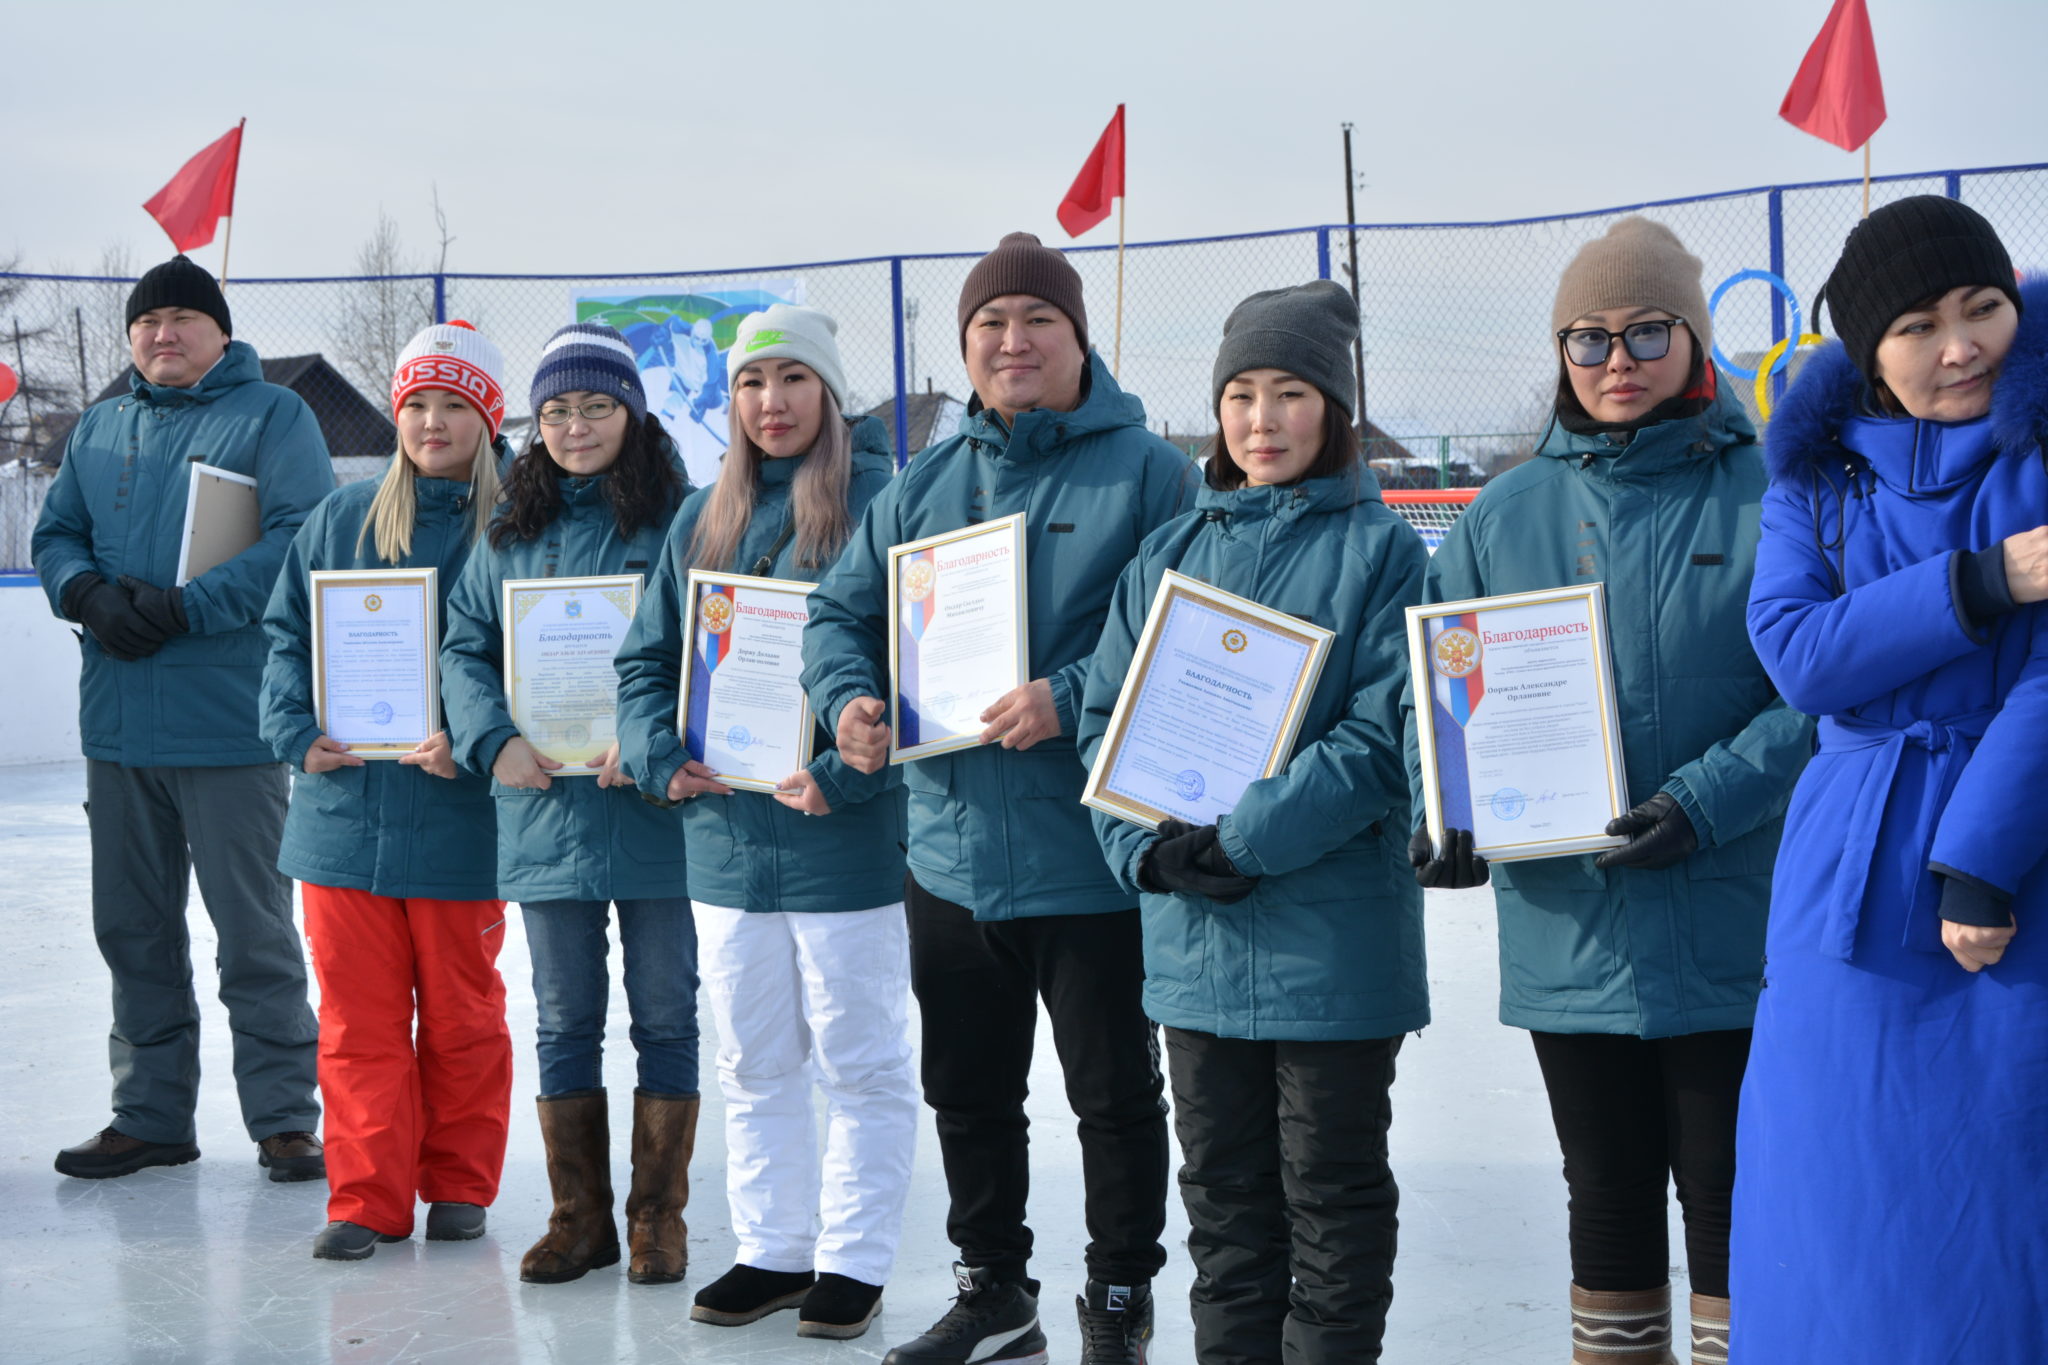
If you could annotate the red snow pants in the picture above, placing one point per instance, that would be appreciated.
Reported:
(413, 1112)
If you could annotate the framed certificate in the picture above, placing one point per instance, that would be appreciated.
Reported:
(561, 635)
(957, 634)
(1514, 708)
(1212, 703)
(742, 712)
(376, 647)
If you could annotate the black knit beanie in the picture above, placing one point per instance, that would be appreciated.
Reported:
(1021, 264)
(178, 283)
(1907, 251)
(1306, 330)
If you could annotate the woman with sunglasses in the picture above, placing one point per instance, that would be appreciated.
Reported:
(1637, 971)
(592, 494)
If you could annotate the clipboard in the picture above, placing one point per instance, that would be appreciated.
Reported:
(223, 517)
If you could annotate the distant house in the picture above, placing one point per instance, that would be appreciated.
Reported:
(928, 417)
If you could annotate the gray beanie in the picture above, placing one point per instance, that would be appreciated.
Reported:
(1637, 263)
(785, 331)
(1306, 330)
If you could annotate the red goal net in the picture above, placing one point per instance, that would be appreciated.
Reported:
(1430, 510)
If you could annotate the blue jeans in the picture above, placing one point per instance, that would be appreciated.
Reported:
(572, 990)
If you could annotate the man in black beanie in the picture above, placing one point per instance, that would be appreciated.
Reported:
(177, 777)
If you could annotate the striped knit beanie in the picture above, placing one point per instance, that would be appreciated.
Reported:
(589, 357)
(456, 357)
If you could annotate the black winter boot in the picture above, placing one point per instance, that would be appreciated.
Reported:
(747, 1294)
(1116, 1323)
(993, 1322)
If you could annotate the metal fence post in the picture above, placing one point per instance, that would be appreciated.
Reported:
(1777, 250)
(1322, 253)
(1443, 462)
(902, 394)
(1952, 184)
(440, 297)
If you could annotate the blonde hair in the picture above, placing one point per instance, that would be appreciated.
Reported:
(817, 497)
(395, 509)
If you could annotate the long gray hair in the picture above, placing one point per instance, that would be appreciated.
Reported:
(817, 497)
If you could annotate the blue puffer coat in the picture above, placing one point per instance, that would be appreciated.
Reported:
(747, 850)
(1003, 831)
(117, 506)
(387, 827)
(1894, 1111)
(1329, 946)
(1667, 519)
(572, 841)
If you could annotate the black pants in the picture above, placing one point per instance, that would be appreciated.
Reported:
(978, 985)
(1632, 1115)
(1289, 1196)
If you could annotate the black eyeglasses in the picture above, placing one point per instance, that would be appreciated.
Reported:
(1588, 346)
(595, 410)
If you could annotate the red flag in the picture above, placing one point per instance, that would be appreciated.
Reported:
(200, 194)
(1837, 95)
(1101, 180)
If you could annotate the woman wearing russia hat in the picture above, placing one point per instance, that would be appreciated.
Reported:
(395, 860)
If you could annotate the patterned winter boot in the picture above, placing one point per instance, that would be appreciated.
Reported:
(1623, 1327)
(1709, 1330)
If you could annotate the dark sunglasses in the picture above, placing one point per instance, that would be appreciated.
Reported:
(1588, 346)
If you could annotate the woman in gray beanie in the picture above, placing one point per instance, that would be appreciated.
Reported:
(1283, 942)
(1637, 971)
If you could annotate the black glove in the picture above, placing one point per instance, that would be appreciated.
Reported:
(163, 608)
(1458, 870)
(1187, 858)
(1661, 836)
(105, 610)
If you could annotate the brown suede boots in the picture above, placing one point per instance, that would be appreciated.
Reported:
(581, 1235)
(664, 1136)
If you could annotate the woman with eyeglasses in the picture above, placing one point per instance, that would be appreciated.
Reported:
(593, 493)
(1890, 1203)
(1637, 971)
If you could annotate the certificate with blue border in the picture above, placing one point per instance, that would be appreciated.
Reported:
(742, 711)
(376, 645)
(959, 637)
(1515, 716)
(1212, 703)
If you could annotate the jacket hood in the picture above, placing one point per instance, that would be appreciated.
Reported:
(1334, 493)
(1725, 423)
(1807, 425)
(238, 365)
(1104, 407)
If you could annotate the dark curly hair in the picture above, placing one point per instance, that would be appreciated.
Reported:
(642, 486)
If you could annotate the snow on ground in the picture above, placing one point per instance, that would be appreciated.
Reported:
(210, 1262)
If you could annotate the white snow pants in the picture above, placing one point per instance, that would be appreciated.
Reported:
(798, 996)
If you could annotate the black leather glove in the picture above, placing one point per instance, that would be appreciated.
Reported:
(1458, 870)
(106, 611)
(163, 608)
(1187, 858)
(1661, 836)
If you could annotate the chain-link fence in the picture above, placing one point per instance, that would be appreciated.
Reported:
(1456, 323)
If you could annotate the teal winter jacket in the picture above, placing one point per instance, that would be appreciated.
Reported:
(1668, 520)
(747, 850)
(572, 841)
(1002, 831)
(387, 827)
(1329, 944)
(117, 506)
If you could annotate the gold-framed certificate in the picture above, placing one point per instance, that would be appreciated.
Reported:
(742, 711)
(561, 636)
(1516, 718)
(376, 651)
(1212, 703)
(958, 634)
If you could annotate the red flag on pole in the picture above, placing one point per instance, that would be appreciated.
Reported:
(1101, 180)
(1837, 95)
(201, 194)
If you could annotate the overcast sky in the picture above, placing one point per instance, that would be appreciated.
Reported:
(631, 136)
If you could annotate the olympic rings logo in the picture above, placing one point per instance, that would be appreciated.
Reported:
(1779, 357)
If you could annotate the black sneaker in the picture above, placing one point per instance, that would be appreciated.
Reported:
(840, 1308)
(1116, 1323)
(747, 1294)
(993, 1322)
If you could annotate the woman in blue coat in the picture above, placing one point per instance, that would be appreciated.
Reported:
(394, 860)
(1283, 944)
(1890, 1203)
(593, 495)
(800, 921)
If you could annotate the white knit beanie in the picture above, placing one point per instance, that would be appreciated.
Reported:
(457, 357)
(787, 332)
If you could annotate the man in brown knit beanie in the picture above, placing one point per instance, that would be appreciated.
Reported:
(1008, 896)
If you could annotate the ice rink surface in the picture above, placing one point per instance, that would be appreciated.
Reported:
(209, 1262)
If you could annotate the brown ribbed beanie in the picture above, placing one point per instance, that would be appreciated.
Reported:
(1021, 264)
(1637, 264)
